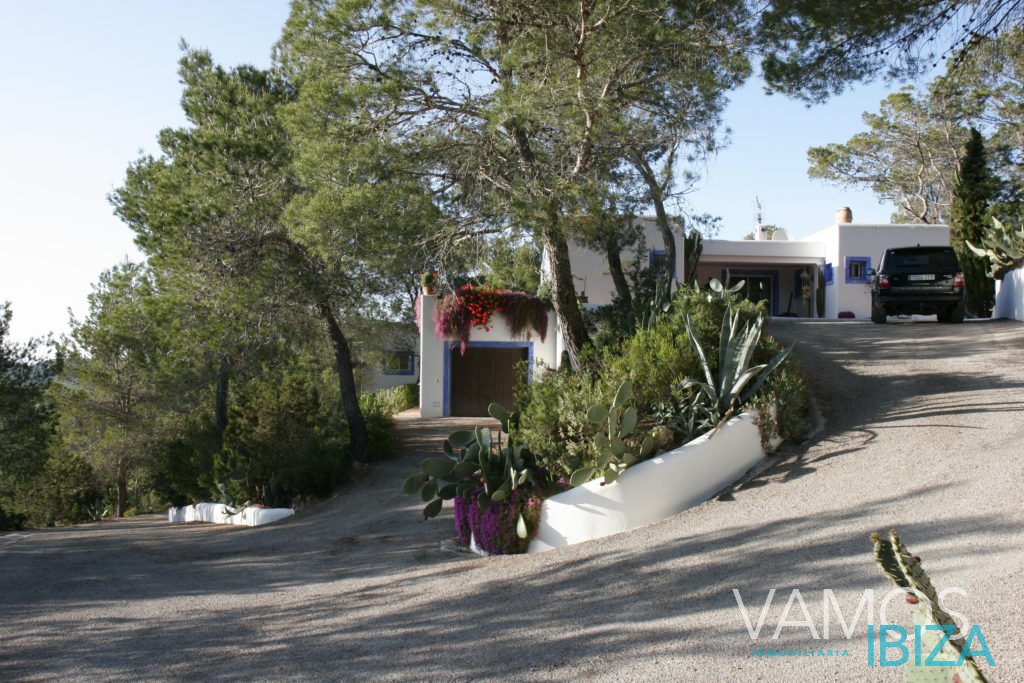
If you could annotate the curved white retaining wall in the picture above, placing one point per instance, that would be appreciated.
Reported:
(216, 513)
(1010, 296)
(652, 490)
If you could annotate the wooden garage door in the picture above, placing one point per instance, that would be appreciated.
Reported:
(483, 375)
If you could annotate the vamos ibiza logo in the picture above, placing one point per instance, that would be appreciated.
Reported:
(889, 644)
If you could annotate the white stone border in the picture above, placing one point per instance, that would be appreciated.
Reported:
(1010, 296)
(216, 513)
(652, 490)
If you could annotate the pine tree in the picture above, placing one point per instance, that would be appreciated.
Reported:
(973, 192)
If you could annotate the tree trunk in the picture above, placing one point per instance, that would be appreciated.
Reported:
(659, 210)
(220, 407)
(611, 249)
(122, 489)
(563, 293)
(360, 440)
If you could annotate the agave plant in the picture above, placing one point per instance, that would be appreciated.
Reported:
(736, 381)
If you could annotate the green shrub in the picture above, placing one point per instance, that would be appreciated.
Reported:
(379, 426)
(657, 360)
(66, 492)
(391, 401)
(184, 467)
(788, 392)
(283, 440)
(553, 423)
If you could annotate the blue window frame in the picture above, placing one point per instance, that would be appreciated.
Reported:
(829, 275)
(657, 257)
(856, 269)
(399, 363)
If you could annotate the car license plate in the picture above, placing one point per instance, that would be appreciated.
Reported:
(918, 277)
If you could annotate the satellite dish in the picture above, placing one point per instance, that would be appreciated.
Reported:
(781, 234)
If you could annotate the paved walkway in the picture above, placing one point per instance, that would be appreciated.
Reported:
(924, 431)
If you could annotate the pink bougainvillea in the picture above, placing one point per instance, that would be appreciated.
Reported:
(469, 306)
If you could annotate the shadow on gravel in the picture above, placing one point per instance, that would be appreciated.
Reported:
(856, 406)
(523, 617)
(498, 617)
(368, 528)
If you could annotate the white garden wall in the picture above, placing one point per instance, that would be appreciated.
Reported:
(652, 490)
(1010, 296)
(216, 513)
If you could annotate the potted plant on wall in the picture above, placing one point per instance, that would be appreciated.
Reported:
(494, 483)
(428, 281)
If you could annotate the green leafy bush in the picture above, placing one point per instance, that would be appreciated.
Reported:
(391, 401)
(381, 430)
(657, 361)
(283, 440)
(553, 409)
(66, 493)
(787, 392)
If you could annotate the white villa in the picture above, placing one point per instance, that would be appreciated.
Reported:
(780, 270)
(777, 268)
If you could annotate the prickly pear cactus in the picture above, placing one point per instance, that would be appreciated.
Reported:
(614, 454)
(1003, 246)
(905, 570)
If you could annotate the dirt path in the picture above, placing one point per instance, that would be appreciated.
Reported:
(923, 432)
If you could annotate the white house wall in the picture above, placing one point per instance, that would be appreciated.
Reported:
(590, 268)
(870, 242)
(830, 246)
(432, 352)
(774, 251)
(829, 241)
(375, 379)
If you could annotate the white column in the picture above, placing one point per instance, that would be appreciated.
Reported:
(431, 361)
(814, 290)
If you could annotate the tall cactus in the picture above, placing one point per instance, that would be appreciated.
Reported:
(693, 247)
(905, 570)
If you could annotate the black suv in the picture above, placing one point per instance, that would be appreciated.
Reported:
(922, 280)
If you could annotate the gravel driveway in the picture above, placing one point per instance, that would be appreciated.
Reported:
(924, 431)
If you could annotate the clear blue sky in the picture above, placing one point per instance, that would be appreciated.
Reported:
(86, 86)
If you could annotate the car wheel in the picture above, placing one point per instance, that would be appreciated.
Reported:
(942, 315)
(956, 314)
(877, 315)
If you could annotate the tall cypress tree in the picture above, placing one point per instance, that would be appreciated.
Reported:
(973, 192)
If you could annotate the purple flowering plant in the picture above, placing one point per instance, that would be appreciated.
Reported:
(493, 481)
